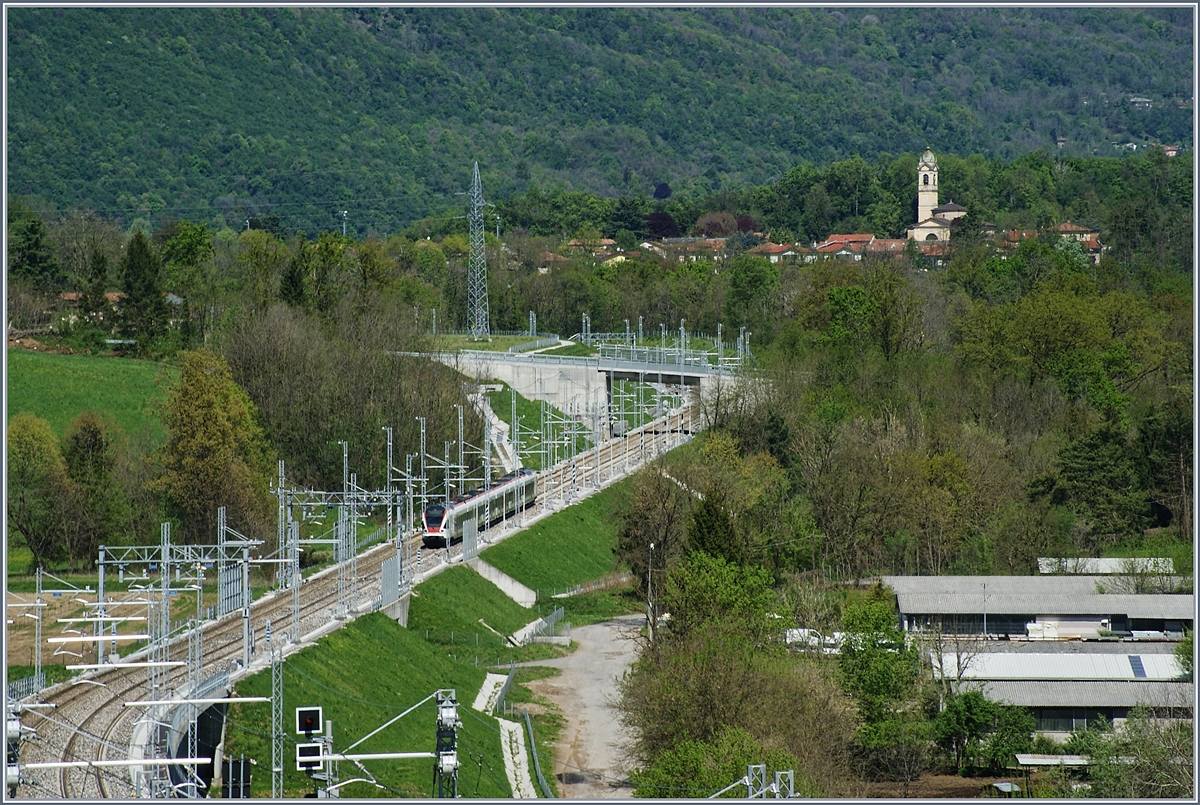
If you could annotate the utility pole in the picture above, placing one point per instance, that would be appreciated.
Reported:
(344, 214)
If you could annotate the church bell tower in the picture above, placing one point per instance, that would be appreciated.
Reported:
(927, 186)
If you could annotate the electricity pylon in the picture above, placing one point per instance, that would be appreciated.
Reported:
(477, 295)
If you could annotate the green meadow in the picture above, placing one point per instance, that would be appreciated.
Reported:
(58, 387)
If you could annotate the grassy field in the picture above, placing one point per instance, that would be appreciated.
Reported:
(363, 676)
(571, 350)
(58, 387)
(572, 546)
(499, 343)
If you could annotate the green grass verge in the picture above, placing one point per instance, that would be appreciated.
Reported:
(571, 351)
(58, 387)
(569, 547)
(54, 673)
(548, 722)
(364, 675)
(499, 343)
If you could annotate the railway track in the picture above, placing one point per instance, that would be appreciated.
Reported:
(91, 722)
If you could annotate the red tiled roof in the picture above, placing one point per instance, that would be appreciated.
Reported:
(853, 238)
(833, 248)
(1016, 235)
(1068, 226)
(887, 245)
(771, 248)
(934, 248)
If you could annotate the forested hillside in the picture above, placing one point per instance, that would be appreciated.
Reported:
(224, 114)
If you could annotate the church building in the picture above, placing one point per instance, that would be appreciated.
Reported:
(933, 220)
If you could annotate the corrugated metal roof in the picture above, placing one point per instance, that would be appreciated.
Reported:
(1087, 694)
(997, 585)
(1066, 667)
(1170, 607)
(1018, 647)
(1051, 760)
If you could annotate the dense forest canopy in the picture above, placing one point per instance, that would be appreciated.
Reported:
(224, 115)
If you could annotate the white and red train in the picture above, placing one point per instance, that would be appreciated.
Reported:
(444, 522)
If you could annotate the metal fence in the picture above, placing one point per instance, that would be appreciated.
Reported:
(26, 687)
(548, 341)
(549, 625)
(389, 581)
(537, 766)
(499, 706)
(606, 582)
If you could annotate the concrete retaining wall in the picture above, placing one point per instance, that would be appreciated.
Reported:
(507, 584)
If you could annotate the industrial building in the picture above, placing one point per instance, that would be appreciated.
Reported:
(1050, 607)
(1069, 685)
(1056, 644)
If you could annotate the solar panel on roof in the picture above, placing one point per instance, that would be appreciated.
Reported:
(1139, 670)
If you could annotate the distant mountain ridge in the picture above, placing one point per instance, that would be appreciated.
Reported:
(217, 114)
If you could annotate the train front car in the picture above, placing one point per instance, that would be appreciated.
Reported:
(433, 518)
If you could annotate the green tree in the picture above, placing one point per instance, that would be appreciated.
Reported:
(1097, 477)
(701, 768)
(753, 288)
(216, 454)
(963, 723)
(629, 214)
(189, 269)
(704, 588)
(711, 530)
(144, 309)
(329, 272)
(878, 667)
(37, 480)
(1010, 733)
(817, 217)
(1150, 757)
(896, 320)
(29, 255)
(88, 451)
(293, 286)
(1185, 653)
(95, 303)
(260, 257)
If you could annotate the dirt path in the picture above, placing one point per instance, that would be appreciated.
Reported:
(590, 758)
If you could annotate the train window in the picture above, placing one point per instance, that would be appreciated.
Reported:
(434, 515)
